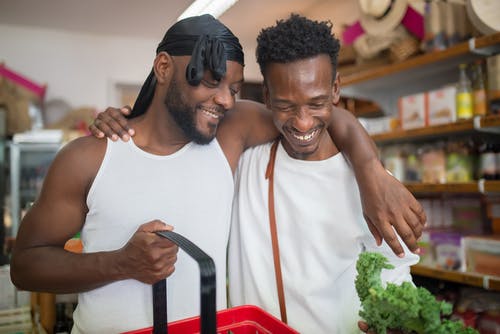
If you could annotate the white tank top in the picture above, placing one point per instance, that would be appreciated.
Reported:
(321, 231)
(191, 190)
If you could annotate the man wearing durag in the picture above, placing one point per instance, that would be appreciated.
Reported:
(119, 193)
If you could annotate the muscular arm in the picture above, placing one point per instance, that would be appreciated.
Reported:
(386, 202)
(39, 261)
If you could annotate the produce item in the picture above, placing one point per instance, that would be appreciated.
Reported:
(403, 307)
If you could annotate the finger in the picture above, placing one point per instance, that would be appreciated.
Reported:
(118, 123)
(103, 122)
(126, 110)
(103, 127)
(95, 131)
(153, 226)
(392, 240)
(414, 223)
(407, 235)
(419, 211)
(374, 231)
(363, 326)
(170, 271)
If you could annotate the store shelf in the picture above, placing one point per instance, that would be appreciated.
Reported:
(475, 187)
(483, 281)
(384, 84)
(475, 125)
(459, 53)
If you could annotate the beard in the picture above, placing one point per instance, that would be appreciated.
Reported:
(184, 115)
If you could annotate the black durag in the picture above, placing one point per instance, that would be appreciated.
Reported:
(209, 43)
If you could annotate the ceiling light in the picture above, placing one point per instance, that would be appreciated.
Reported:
(213, 7)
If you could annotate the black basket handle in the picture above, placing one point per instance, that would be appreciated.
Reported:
(207, 288)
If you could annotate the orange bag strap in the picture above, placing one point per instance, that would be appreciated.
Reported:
(274, 233)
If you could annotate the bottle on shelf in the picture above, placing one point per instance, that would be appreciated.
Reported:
(487, 161)
(464, 98)
(479, 89)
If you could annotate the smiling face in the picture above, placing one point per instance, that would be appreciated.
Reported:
(301, 96)
(197, 110)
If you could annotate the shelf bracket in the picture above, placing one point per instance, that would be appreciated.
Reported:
(486, 282)
(484, 51)
(480, 186)
(477, 126)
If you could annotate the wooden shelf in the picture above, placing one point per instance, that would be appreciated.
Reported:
(384, 84)
(475, 187)
(420, 188)
(478, 124)
(473, 279)
(491, 186)
(461, 52)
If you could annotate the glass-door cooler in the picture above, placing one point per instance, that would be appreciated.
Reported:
(29, 163)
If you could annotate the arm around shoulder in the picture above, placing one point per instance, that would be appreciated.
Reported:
(248, 124)
(386, 201)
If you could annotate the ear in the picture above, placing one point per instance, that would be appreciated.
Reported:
(336, 89)
(163, 67)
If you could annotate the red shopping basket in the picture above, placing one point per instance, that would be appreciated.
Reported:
(247, 319)
(237, 320)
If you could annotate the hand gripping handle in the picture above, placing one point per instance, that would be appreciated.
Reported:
(207, 288)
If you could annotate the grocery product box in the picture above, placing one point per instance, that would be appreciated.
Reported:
(412, 111)
(447, 247)
(379, 124)
(426, 253)
(441, 107)
(482, 254)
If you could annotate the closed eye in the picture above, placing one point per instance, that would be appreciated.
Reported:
(210, 83)
(317, 105)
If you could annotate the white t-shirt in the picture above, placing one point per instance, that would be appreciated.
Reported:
(321, 231)
(192, 190)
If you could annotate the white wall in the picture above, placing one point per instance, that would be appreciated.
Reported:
(81, 69)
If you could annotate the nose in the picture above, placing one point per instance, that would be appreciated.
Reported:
(303, 121)
(224, 98)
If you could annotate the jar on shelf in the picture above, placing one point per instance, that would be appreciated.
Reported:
(433, 162)
(459, 162)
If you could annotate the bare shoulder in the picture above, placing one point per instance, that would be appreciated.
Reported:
(80, 158)
(87, 148)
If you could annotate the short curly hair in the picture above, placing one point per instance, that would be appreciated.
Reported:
(296, 38)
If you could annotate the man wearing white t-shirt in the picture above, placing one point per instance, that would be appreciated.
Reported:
(319, 219)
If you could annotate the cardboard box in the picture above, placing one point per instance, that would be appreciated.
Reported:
(441, 105)
(412, 111)
(482, 254)
(379, 124)
(447, 247)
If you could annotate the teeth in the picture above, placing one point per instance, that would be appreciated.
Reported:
(209, 113)
(306, 137)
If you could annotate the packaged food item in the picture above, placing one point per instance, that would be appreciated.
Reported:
(412, 111)
(441, 105)
(482, 254)
(433, 160)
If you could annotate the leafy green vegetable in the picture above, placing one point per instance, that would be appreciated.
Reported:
(403, 307)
